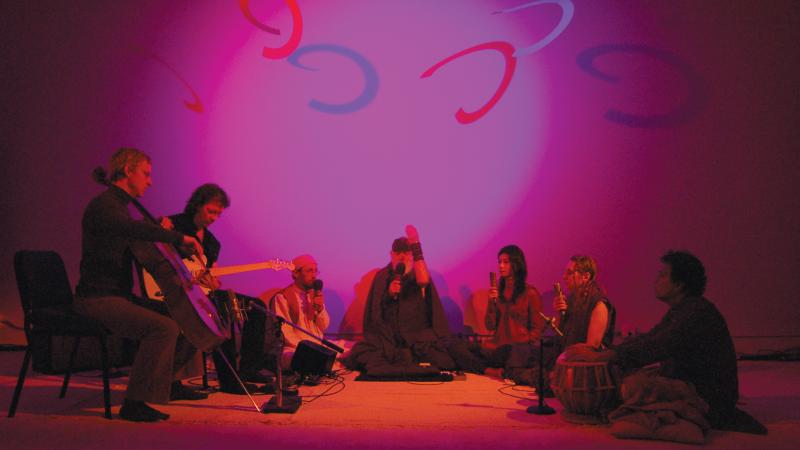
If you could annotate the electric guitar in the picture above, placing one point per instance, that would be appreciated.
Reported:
(197, 268)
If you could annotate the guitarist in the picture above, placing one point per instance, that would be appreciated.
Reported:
(204, 207)
(105, 289)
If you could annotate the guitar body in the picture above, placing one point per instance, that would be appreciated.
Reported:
(188, 305)
(196, 267)
(153, 288)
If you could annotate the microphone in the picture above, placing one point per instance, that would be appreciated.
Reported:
(493, 283)
(557, 289)
(316, 289)
(398, 275)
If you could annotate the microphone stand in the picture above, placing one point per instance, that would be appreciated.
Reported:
(542, 409)
(278, 403)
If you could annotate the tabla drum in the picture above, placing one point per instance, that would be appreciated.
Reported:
(586, 390)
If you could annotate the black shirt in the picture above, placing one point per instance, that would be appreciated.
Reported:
(579, 315)
(211, 246)
(693, 344)
(107, 230)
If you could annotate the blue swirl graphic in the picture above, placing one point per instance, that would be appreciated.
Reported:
(370, 77)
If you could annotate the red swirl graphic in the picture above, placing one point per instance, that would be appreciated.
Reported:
(244, 5)
(294, 39)
(507, 50)
(196, 105)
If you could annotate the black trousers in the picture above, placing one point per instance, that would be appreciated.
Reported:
(250, 357)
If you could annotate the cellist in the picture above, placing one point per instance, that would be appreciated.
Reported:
(105, 289)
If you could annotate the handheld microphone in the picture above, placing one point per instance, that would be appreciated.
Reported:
(316, 289)
(398, 275)
(557, 289)
(493, 283)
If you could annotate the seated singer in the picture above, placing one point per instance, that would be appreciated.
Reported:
(106, 284)
(513, 314)
(303, 304)
(405, 323)
(585, 316)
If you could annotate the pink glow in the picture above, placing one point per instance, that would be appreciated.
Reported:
(543, 166)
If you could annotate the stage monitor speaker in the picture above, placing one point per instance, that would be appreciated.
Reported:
(311, 358)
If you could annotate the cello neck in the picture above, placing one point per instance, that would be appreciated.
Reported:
(100, 176)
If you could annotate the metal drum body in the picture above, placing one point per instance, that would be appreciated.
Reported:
(588, 389)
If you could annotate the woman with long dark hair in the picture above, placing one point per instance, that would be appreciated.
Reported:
(513, 313)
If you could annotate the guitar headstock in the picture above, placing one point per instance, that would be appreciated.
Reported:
(277, 264)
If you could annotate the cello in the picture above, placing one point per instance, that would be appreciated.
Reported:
(187, 303)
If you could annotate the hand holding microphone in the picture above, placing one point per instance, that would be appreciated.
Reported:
(494, 294)
(316, 297)
(397, 281)
(559, 301)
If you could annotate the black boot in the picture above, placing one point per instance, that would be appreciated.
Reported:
(180, 392)
(137, 411)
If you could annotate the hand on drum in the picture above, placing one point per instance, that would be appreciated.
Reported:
(585, 352)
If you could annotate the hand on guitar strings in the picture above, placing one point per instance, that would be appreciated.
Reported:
(190, 246)
(208, 281)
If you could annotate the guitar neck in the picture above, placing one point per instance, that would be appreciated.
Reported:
(230, 270)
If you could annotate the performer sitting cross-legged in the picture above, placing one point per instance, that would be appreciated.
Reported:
(514, 315)
(301, 304)
(105, 289)
(586, 316)
(691, 342)
(405, 323)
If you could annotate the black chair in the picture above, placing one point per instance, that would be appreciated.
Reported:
(46, 296)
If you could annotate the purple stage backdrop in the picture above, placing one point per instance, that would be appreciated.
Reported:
(618, 129)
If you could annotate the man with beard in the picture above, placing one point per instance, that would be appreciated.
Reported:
(303, 304)
(585, 316)
(405, 328)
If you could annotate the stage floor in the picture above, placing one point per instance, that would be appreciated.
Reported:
(461, 414)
